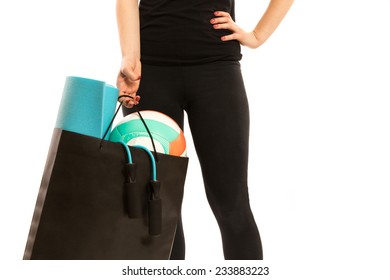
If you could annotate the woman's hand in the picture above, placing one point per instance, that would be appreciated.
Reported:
(223, 20)
(128, 81)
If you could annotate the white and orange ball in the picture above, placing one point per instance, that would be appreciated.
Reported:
(167, 135)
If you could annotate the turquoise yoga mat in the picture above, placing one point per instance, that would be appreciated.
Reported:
(87, 106)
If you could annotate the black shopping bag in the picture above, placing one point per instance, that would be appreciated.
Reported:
(91, 205)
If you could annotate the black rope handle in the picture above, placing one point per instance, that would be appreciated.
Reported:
(150, 134)
(109, 126)
(142, 119)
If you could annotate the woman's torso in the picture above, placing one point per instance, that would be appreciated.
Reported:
(178, 32)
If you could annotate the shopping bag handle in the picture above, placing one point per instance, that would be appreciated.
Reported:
(140, 116)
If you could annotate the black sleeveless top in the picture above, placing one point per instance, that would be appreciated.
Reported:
(179, 32)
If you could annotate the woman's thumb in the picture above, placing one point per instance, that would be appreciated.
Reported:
(131, 74)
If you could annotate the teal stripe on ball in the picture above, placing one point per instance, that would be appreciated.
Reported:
(157, 138)
(115, 136)
(155, 127)
(128, 130)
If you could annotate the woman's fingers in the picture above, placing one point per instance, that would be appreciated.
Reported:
(128, 101)
(221, 14)
(228, 26)
(224, 21)
(128, 81)
(220, 19)
(230, 37)
(128, 87)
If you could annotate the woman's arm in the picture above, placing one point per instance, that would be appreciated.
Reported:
(127, 14)
(270, 20)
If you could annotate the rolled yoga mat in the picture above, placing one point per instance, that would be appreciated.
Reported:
(87, 106)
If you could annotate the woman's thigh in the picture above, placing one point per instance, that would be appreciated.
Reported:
(218, 115)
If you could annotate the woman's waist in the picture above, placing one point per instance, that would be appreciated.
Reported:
(182, 50)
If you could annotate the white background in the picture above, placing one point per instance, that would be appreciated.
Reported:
(319, 148)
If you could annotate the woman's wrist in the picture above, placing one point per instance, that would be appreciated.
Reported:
(131, 57)
(260, 37)
(131, 67)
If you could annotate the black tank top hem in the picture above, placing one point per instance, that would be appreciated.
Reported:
(206, 60)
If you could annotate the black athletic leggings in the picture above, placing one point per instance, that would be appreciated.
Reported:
(214, 97)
